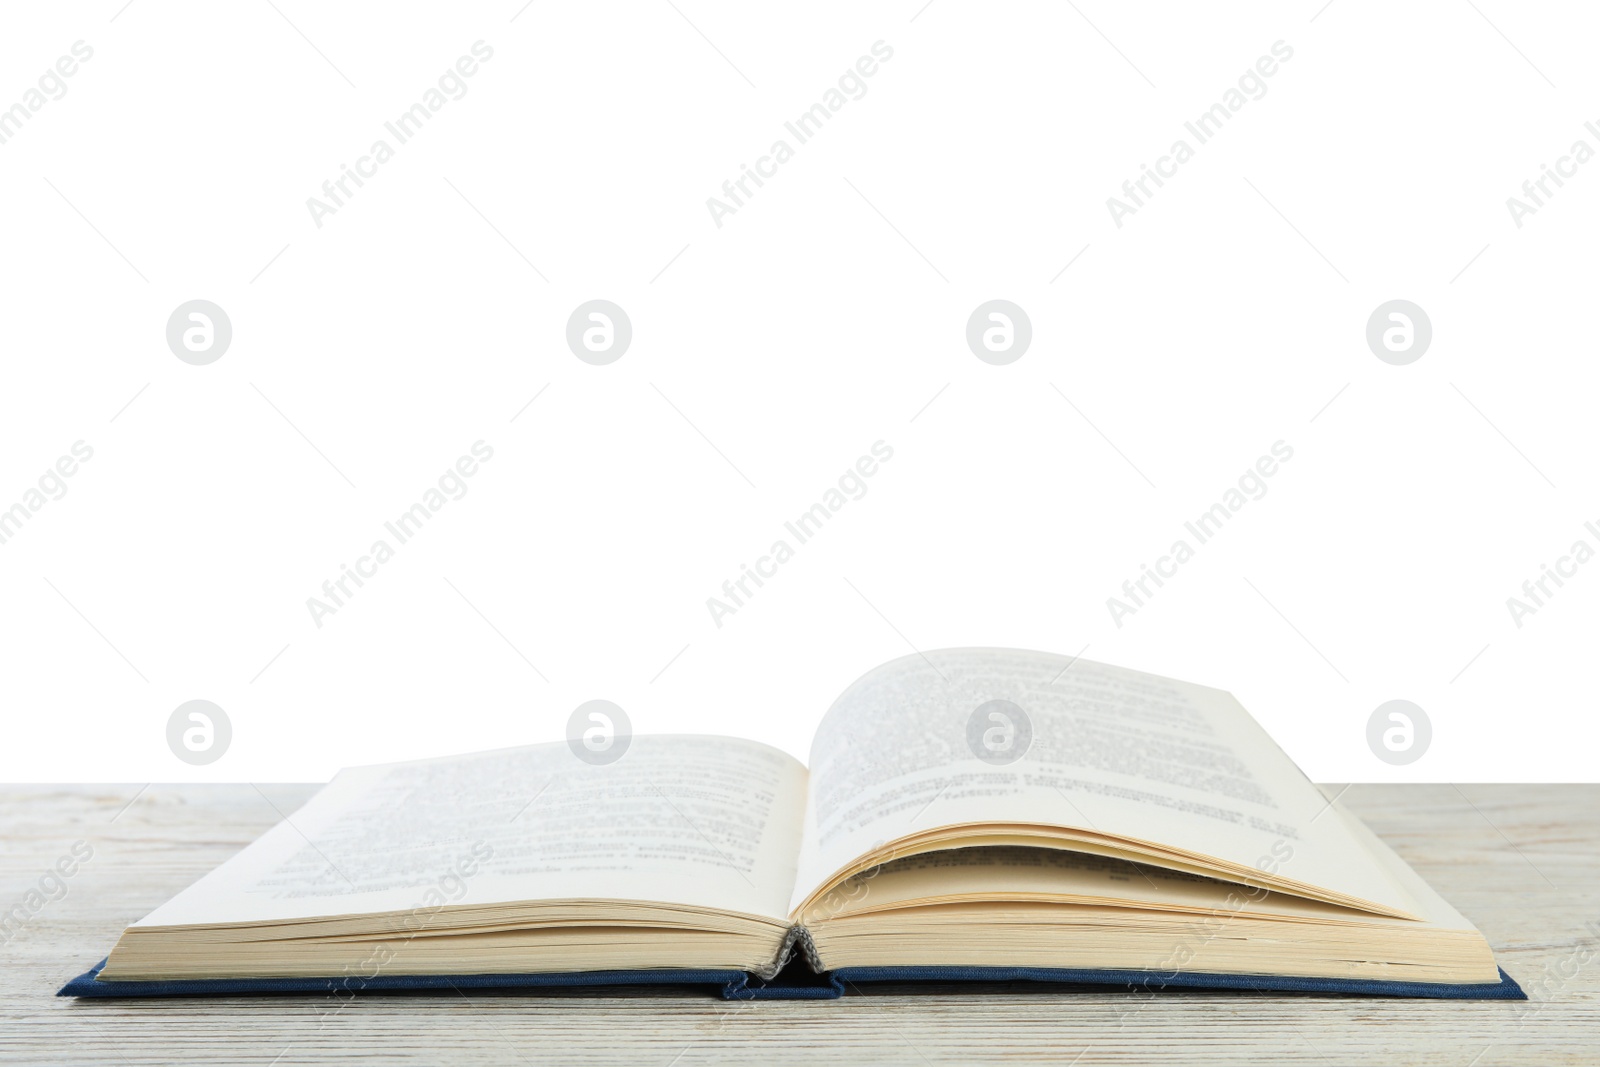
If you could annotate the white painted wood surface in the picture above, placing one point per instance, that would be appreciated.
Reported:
(1523, 862)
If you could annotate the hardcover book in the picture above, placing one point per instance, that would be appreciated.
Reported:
(966, 814)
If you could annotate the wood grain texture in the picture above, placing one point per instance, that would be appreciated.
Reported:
(1523, 862)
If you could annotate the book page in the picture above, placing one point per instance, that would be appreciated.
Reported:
(704, 822)
(1105, 750)
(1010, 873)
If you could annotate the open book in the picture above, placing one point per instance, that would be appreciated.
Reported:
(964, 808)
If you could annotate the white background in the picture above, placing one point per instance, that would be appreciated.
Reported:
(822, 317)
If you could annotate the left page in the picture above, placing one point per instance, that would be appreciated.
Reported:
(703, 822)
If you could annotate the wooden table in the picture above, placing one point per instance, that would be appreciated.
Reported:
(1523, 862)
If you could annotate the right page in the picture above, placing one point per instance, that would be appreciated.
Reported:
(1015, 739)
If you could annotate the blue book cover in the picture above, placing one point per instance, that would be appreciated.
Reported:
(793, 984)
